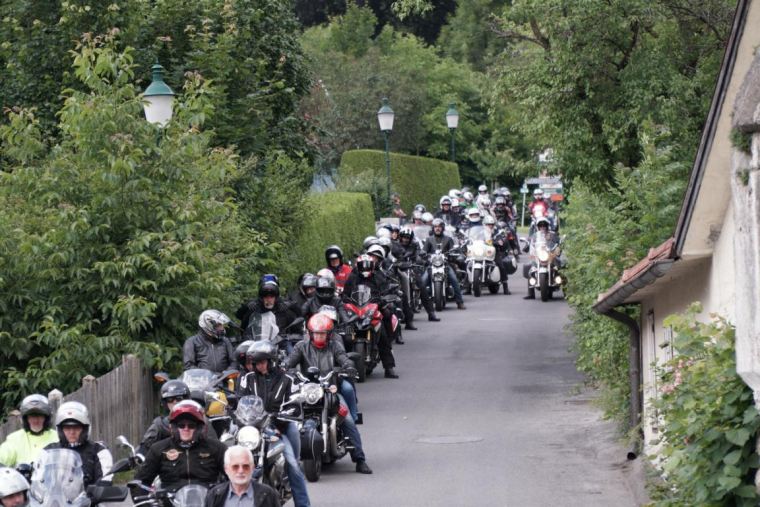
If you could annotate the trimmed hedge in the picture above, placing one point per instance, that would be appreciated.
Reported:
(340, 218)
(416, 179)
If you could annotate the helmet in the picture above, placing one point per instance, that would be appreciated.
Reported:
(35, 404)
(454, 202)
(467, 196)
(320, 323)
(485, 202)
(427, 217)
(174, 389)
(499, 201)
(444, 200)
(330, 311)
(386, 244)
(260, 350)
(482, 189)
(383, 233)
(454, 193)
(188, 409)
(365, 265)
(542, 221)
(406, 232)
(209, 319)
(417, 215)
(506, 192)
(420, 207)
(72, 413)
(473, 214)
(378, 251)
(497, 192)
(333, 252)
(325, 273)
(12, 482)
(538, 193)
(240, 352)
(394, 228)
(269, 289)
(325, 289)
(369, 241)
(308, 280)
(438, 222)
(489, 220)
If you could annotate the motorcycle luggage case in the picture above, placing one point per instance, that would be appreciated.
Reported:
(526, 270)
(312, 443)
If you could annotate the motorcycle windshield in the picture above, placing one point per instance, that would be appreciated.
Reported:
(198, 379)
(476, 233)
(250, 410)
(263, 326)
(192, 495)
(362, 295)
(57, 479)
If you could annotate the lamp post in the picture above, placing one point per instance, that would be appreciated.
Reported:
(452, 120)
(158, 99)
(385, 118)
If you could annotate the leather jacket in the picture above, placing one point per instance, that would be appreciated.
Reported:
(201, 352)
(305, 354)
(201, 463)
(443, 243)
(283, 312)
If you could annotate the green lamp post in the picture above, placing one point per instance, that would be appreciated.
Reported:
(452, 120)
(158, 99)
(385, 118)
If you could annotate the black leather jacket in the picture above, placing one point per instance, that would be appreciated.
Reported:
(313, 304)
(282, 311)
(215, 355)
(443, 243)
(202, 463)
(326, 359)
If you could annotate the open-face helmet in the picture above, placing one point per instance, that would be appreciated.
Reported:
(369, 241)
(538, 193)
(377, 251)
(427, 218)
(444, 201)
(174, 389)
(467, 196)
(72, 413)
(12, 483)
(383, 233)
(187, 411)
(35, 404)
(308, 281)
(542, 221)
(386, 244)
(489, 220)
(333, 252)
(420, 207)
(482, 189)
(455, 193)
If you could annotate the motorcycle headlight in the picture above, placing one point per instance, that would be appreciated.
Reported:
(478, 250)
(312, 393)
(249, 437)
(438, 262)
(543, 255)
(490, 251)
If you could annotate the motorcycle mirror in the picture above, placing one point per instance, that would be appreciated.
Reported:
(295, 323)
(161, 377)
(228, 374)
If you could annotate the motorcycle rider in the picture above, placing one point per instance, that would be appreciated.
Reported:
(172, 392)
(321, 352)
(398, 212)
(268, 300)
(467, 200)
(444, 243)
(210, 348)
(542, 227)
(187, 456)
(274, 388)
(409, 249)
(538, 208)
(72, 420)
(341, 270)
(446, 212)
(365, 275)
(307, 286)
(24, 445)
(498, 238)
(377, 252)
(324, 296)
(14, 490)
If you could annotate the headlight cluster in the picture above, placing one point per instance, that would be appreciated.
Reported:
(312, 393)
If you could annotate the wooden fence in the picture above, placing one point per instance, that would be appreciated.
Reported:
(121, 402)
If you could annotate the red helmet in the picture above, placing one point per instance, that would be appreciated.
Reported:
(320, 323)
(188, 410)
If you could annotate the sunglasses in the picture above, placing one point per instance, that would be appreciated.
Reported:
(245, 467)
(174, 400)
(187, 426)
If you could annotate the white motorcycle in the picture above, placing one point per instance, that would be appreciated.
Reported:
(481, 262)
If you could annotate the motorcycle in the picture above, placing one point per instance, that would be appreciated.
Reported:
(258, 433)
(322, 439)
(440, 291)
(58, 479)
(481, 264)
(544, 271)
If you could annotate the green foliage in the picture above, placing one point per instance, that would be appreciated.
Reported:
(742, 141)
(708, 419)
(340, 218)
(372, 183)
(607, 232)
(125, 240)
(415, 179)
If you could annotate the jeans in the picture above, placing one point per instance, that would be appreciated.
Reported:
(292, 443)
(352, 432)
(349, 395)
(452, 276)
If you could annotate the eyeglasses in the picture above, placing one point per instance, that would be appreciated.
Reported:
(245, 466)
(187, 426)
(176, 399)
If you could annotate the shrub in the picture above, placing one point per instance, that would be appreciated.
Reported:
(341, 218)
(709, 421)
(415, 179)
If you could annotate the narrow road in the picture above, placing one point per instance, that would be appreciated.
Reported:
(487, 412)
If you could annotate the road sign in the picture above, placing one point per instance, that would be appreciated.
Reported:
(524, 189)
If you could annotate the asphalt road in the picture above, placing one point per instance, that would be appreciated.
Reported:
(489, 410)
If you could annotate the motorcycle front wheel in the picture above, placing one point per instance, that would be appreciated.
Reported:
(543, 283)
(476, 274)
(439, 296)
(361, 366)
(312, 468)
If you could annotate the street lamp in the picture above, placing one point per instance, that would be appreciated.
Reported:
(452, 120)
(158, 99)
(385, 119)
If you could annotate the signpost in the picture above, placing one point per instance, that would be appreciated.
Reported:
(523, 191)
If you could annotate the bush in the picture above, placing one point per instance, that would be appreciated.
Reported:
(341, 218)
(415, 179)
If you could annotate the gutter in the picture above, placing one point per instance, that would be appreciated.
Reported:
(621, 291)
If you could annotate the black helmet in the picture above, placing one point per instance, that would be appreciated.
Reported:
(35, 404)
(325, 289)
(365, 265)
(174, 389)
(333, 252)
(307, 280)
(269, 288)
(262, 349)
(241, 350)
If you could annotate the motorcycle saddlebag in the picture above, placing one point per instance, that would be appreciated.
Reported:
(526, 270)
(312, 444)
(510, 265)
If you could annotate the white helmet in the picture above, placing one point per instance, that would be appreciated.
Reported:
(489, 220)
(12, 482)
(377, 251)
(467, 196)
(382, 232)
(482, 188)
(326, 273)
(485, 202)
(538, 193)
(444, 200)
(454, 202)
(455, 193)
(72, 413)
(209, 319)
(473, 214)
(427, 218)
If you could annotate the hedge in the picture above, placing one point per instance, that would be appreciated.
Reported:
(416, 179)
(341, 218)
